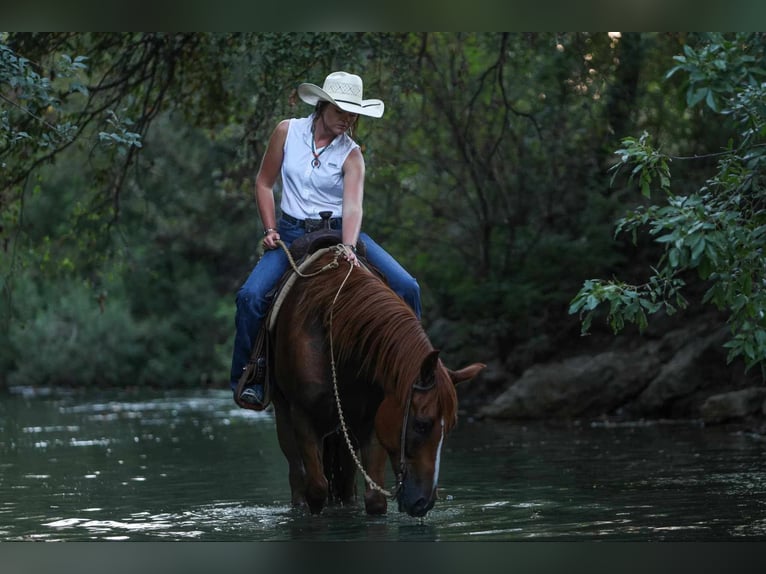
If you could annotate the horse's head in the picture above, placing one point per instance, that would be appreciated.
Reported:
(412, 427)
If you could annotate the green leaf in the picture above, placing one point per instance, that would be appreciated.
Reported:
(586, 324)
(696, 96)
(710, 101)
(673, 257)
(645, 190)
(698, 248)
(675, 69)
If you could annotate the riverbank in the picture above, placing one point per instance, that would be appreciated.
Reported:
(675, 370)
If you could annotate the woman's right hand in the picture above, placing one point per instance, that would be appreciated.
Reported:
(270, 240)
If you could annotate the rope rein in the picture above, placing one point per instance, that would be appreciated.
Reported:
(334, 264)
(338, 249)
(370, 482)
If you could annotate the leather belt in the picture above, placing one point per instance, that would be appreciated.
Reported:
(313, 224)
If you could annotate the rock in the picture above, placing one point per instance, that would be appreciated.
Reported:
(580, 386)
(733, 405)
(684, 372)
(669, 376)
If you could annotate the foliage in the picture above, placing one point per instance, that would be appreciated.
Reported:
(176, 231)
(28, 117)
(69, 334)
(717, 230)
(487, 192)
(487, 178)
(650, 163)
(59, 322)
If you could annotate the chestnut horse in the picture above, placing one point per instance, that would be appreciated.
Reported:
(344, 330)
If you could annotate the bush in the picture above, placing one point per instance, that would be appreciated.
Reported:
(67, 337)
(67, 334)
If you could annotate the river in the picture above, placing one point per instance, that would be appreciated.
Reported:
(190, 465)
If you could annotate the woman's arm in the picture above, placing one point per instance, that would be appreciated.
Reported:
(271, 164)
(353, 195)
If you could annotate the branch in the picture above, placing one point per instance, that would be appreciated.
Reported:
(713, 154)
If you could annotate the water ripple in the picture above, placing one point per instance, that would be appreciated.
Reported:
(191, 466)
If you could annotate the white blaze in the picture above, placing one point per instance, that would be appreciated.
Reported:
(438, 456)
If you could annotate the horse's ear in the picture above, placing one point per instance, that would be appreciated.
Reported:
(428, 368)
(466, 373)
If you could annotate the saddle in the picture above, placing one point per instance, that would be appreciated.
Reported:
(316, 240)
(258, 368)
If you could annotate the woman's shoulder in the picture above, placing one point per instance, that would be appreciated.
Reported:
(279, 135)
(299, 122)
(283, 126)
(295, 125)
(289, 125)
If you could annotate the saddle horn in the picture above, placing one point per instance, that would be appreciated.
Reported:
(325, 215)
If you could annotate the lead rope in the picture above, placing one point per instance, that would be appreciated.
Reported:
(332, 265)
(370, 482)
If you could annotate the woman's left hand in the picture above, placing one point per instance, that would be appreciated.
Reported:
(350, 255)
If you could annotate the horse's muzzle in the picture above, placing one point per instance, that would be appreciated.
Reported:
(414, 501)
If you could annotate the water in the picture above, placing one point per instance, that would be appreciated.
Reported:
(192, 466)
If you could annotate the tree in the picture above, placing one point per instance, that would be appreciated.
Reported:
(126, 193)
(487, 178)
(717, 230)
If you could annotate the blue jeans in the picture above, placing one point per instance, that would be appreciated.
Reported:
(252, 304)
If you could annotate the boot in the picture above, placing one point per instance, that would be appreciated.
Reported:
(253, 391)
(252, 395)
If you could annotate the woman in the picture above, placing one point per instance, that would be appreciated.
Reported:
(322, 169)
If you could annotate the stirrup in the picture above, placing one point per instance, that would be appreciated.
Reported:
(251, 392)
(257, 375)
(253, 395)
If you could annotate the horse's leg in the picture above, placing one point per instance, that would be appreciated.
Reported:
(347, 477)
(374, 458)
(345, 472)
(339, 469)
(286, 438)
(309, 444)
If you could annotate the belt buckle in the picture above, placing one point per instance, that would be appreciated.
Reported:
(311, 225)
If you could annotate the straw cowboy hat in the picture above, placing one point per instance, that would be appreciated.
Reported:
(345, 91)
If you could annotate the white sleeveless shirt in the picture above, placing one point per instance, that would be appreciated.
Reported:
(307, 190)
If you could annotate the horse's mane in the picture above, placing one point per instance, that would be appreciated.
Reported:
(373, 327)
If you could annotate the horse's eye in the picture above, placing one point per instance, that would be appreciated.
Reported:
(421, 426)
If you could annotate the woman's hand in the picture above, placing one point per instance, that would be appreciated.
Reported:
(271, 238)
(349, 254)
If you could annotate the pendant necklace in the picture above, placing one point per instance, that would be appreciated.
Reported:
(315, 162)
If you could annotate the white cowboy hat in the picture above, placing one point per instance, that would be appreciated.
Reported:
(345, 91)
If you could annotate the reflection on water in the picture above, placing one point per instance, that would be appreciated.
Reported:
(192, 466)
